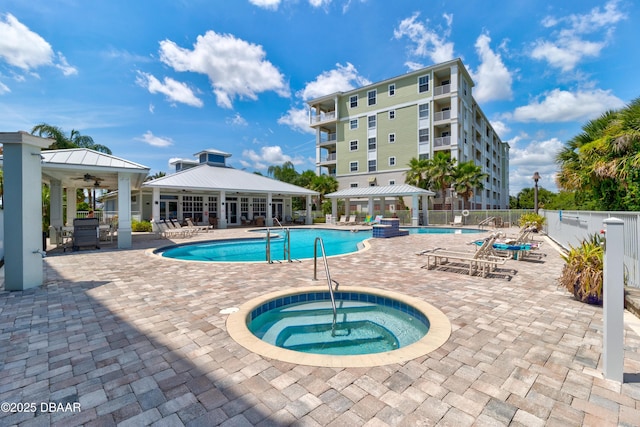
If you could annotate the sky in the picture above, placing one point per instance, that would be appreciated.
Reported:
(165, 79)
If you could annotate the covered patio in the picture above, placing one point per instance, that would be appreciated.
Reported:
(381, 194)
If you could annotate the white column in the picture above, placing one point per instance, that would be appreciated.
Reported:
(425, 210)
(370, 207)
(22, 210)
(334, 208)
(55, 203)
(124, 210)
(155, 204)
(613, 301)
(71, 205)
(269, 218)
(222, 210)
(415, 210)
(309, 204)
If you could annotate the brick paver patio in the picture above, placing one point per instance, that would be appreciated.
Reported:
(135, 340)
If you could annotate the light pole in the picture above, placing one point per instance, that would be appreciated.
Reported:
(536, 177)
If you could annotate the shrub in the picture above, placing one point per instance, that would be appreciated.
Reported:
(582, 274)
(141, 226)
(532, 218)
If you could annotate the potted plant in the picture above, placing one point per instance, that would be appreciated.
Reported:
(582, 273)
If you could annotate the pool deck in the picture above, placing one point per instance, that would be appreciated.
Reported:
(139, 340)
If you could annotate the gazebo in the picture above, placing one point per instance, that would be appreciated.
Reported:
(381, 193)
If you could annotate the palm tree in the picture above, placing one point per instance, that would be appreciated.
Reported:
(324, 184)
(440, 172)
(284, 173)
(417, 173)
(74, 140)
(468, 177)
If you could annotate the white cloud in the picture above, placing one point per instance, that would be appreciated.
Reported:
(266, 4)
(235, 67)
(268, 156)
(319, 3)
(536, 156)
(500, 127)
(236, 120)
(493, 79)
(564, 106)
(428, 42)
(570, 45)
(155, 141)
(297, 119)
(174, 90)
(341, 79)
(4, 89)
(22, 48)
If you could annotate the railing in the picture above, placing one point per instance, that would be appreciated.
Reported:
(441, 115)
(330, 281)
(329, 158)
(286, 250)
(487, 221)
(442, 141)
(323, 117)
(439, 90)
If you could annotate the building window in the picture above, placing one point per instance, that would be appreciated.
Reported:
(392, 114)
(372, 97)
(353, 145)
(392, 182)
(372, 122)
(353, 124)
(353, 166)
(423, 84)
(424, 156)
(423, 111)
(259, 206)
(353, 185)
(372, 165)
(372, 144)
(353, 101)
(392, 138)
(392, 89)
(423, 135)
(392, 161)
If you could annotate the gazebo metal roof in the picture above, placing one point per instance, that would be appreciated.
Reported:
(399, 190)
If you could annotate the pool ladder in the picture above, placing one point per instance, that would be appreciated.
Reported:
(287, 244)
(330, 281)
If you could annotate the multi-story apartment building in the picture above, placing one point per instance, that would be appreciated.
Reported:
(368, 136)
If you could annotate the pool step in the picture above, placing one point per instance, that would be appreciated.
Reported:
(357, 337)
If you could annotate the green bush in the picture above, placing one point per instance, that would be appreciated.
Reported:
(141, 226)
(532, 218)
(582, 274)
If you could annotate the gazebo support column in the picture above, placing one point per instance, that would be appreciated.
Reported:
(124, 210)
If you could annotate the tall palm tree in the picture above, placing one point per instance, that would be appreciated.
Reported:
(440, 172)
(417, 173)
(74, 140)
(324, 184)
(468, 177)
(284, 173)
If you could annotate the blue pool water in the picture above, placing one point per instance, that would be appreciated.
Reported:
(336, 242)
(366, 324)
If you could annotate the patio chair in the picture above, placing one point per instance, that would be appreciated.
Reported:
(352, 220)
(196, 228)
(367, 220)
(457, 221)
(377, 219)
(343, 220)
(177, 229)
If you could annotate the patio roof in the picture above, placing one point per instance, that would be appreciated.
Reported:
(82, 167)
(207, 177)
(380, 191)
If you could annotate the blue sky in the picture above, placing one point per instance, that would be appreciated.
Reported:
(165, 79)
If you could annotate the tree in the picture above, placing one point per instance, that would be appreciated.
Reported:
(74, 140)
(417, 173)
(601, 163)
(324, 184)
(440, 172)
(468, 177)
(155, 176)
(284, 173)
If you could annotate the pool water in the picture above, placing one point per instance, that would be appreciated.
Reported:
(362, 327)
(336, 242)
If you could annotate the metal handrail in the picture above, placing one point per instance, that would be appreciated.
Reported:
(268, 248)
(330, 281)
(286, 249)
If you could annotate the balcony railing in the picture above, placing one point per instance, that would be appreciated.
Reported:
(439, 90)
(443, 141)
(328, 158)
(323, 117)
(442, 115)
(328, 138)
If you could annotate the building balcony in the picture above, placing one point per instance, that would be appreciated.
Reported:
(441, 90)
(329, 116)
(439, 116)
(443, 141)
(329, 158)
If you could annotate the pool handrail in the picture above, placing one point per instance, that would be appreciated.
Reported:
(330, 281)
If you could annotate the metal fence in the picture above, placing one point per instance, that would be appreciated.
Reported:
(569, 228)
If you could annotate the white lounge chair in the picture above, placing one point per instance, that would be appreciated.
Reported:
(457, 221)
(196, 228)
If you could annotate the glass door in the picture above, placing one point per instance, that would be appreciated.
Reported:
(232, 213)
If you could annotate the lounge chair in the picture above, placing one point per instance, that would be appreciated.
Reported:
(196, 228)
(481, 261)
(352, 220)
(367, 220)
(457, 221)
(377, 219)
(175, 225)
(162, 229)
(343, 220)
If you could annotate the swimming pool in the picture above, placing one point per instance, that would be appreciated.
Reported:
(374, 327)
(301, 243)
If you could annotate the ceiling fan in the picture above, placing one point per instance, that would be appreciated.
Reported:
(88, 178)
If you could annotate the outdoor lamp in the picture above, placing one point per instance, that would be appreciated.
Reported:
(536, 177)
